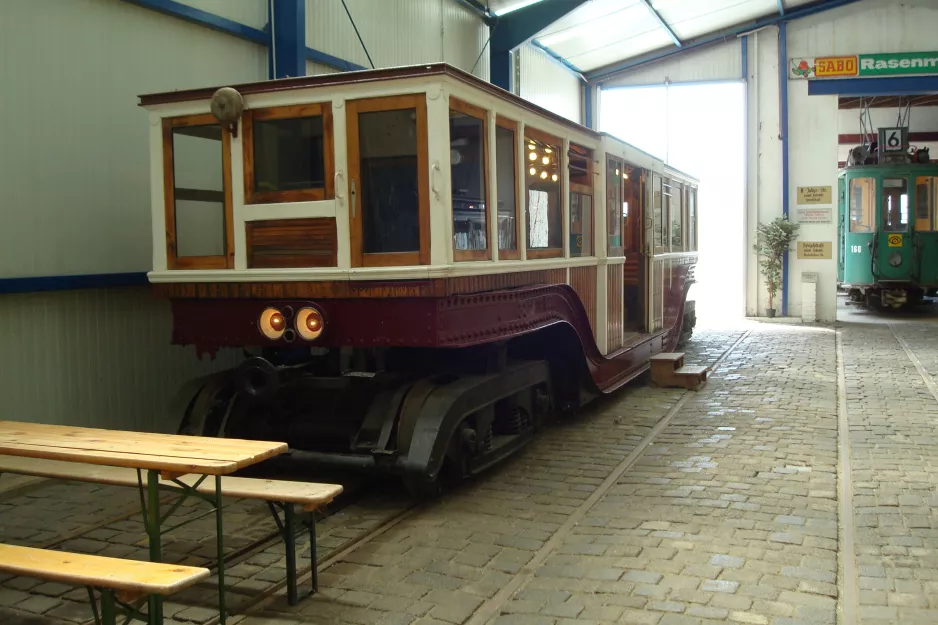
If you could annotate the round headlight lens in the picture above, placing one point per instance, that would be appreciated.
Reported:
(895, 259)
(309, 323)
(272, 323)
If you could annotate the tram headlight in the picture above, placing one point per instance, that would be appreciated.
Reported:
(272, 323)
(309, 324)
(895, 259)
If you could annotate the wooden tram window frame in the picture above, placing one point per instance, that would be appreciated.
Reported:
(514, 254)
(585, 189)
(417, 101)
(558, 143)
(173, 260)
(618, 250)
(251, 195)
(481, 114)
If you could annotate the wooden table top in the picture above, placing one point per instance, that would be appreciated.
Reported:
(169, 453)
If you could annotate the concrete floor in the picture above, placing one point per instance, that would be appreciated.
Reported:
(798, 486)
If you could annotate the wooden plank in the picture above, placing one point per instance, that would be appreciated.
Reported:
(134, 576)
(113, 458)
(240, 444)
(305, 493)
(276, 243)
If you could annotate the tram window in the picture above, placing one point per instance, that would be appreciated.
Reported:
(677, 217)
(657, 214)
(581, 224)
(580, 164)
(692, 220)
(288, 154)
(467, 144)
(895, 204)
(506, 179)
(543, 186)
(199, 191)
(613, 201)
(926, 203)
(862, 203)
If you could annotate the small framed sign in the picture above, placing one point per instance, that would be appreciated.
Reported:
(894, 139)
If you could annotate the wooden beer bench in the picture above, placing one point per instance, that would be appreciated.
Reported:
(280, 496)
(117, 581)
(166, 459)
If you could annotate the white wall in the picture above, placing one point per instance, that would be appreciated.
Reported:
(717, 62)
(74, 168)
(399, 32)
(547, 83)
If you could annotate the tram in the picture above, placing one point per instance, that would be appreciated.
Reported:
(888, 227)
(418, 265)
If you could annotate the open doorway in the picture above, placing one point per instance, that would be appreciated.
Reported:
(698, 129)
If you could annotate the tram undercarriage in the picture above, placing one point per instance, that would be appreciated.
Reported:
(404, 412)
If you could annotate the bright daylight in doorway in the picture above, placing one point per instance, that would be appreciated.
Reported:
(700, 130)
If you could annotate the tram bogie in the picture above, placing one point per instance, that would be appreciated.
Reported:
(421, 266)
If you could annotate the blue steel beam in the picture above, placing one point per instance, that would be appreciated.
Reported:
(728, 34)
(783, 104)
(317, 56)
(662, 23)
(899, 85)
(288, 28)
(204, 18)
(515, 28)
(65, 283)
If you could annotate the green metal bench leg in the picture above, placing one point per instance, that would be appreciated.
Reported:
(219, 531)
(313, 558)
(108, 608)
(289, 543)
(155, 602)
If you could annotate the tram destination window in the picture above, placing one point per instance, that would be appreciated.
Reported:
(544, 187)
(288, 154)
(506, 179)
(467, 145)
(862, 203)
(895, 204)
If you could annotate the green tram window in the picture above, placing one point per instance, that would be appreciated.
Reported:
(895, 204)
(862, 203)
(926, 204)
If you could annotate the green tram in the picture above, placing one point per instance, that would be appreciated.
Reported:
(888, 230)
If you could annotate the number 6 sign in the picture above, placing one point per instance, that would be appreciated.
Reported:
(893, 139)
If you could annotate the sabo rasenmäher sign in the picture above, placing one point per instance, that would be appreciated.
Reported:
(864, 66)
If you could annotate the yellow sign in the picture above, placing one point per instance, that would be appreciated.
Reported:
(895, 240)
(814, 250)
(814, 195)
(835, 66)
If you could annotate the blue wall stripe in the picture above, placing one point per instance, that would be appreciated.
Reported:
(317, 56)
(204, 18)
(63, 283)
(899, 85)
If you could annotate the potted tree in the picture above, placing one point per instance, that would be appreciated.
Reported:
(772, 241)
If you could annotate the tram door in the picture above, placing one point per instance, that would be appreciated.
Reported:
(389, 181)
(893, 241)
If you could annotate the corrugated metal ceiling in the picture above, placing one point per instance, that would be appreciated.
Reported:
(602, 32)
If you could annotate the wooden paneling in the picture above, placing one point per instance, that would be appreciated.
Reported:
(632, 270)
(615, 305)
(583, 281)
(279, 243)
(361, 289)
(497, 281)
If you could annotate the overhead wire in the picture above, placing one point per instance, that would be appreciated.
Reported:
(358, 34)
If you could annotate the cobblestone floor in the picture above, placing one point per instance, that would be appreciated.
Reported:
(652, 506)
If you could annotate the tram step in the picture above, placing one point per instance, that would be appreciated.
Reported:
(668, 369)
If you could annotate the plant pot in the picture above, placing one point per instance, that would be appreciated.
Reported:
(770, 313)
